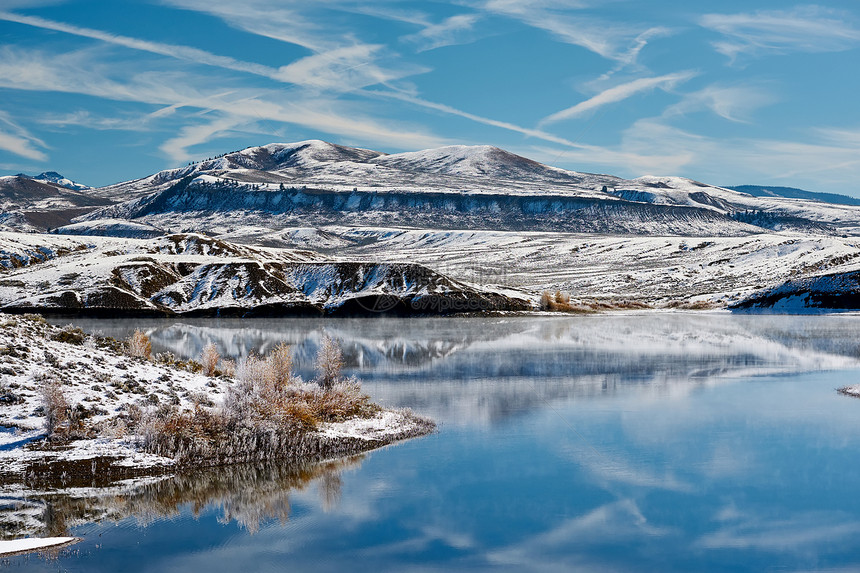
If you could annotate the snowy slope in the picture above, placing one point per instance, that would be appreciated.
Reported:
(474, 161)
(654, 269)
(197, 275)
(28, 203)
(111, 228)
(837, 291)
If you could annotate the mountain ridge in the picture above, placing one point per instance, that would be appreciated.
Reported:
(795, 193)
(318, 183)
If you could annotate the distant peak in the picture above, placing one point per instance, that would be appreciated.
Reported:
(57, 179)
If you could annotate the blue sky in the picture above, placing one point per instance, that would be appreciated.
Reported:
(740, 92)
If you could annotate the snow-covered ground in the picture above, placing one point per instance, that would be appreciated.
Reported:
(655, 269)
(658, 270)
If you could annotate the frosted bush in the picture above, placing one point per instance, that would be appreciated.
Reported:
(55, 405)
(280, 364)
(329, 363)
(209, 359)
(139, 345)
(228, 368)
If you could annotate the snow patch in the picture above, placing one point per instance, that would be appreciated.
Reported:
(16, 546)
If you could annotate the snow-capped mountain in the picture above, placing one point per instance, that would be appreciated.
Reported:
(37, 203)
(314, 183)
(57, 179)
(484, 216)
(473, 161)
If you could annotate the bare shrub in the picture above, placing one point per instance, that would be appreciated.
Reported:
(280, 363)
(55, 406)
(228, 368)
(70, 335)
(546, 301)
(209, 359)
(342, 401)
(139, 346)
(560, 302)
(262, 391)
(167, 358)
(329, 363)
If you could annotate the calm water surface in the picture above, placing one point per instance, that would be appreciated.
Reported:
(631, 443)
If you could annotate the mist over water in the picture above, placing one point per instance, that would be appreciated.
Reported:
(640, 442)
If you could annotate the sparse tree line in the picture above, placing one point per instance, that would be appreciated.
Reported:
(226, 182)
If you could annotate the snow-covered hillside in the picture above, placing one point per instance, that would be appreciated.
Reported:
(57, 179)
(38, 203)
(813, 294)
(659, 270)
(197, 275)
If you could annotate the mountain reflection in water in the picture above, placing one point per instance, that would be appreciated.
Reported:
(476, 370)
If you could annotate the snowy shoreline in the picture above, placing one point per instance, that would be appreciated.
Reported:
(105, 389)
(10, 548)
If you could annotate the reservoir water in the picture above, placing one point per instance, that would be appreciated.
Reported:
(637, 442)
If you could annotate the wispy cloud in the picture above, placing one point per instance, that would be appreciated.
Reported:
(449, 32)
(529, 132)
(17, 140)
(343, 69)
(75, 73)
(619, 93)
(841, 136)
(277, 20)
(339, 69)
(803, 29)
(824, 160)
(734, 103)
(91, 121)
(609, 39)
(191, 135)
(171, 50)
